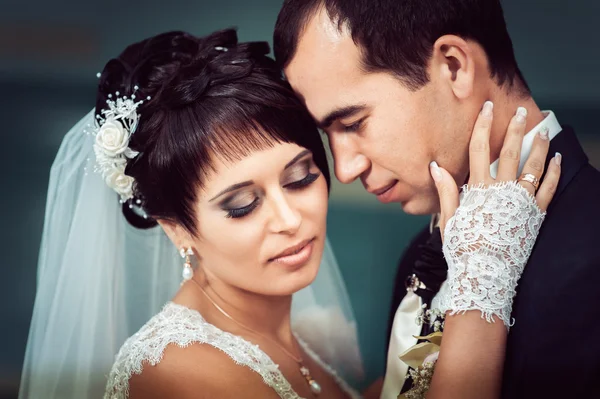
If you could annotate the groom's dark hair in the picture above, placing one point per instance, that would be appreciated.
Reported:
(398, 35)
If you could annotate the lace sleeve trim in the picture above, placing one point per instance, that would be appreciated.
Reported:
(487, 244)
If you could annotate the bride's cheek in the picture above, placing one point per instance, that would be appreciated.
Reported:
(319, 203)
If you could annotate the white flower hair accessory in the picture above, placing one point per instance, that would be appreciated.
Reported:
(113, 129)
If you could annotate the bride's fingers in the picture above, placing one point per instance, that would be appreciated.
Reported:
(548, 187)
(479, 148)
(447, 192)
(510, 154)
(537, 158)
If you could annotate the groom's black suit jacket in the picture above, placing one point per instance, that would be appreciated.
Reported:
(553, 350)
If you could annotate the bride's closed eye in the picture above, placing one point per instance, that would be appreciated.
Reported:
(298, 178)
(240, 205)
(301, 176)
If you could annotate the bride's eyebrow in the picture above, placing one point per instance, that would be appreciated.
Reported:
(231, 188)
(237, 186)
(297, 158)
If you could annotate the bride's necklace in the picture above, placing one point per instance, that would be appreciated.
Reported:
(315, 387)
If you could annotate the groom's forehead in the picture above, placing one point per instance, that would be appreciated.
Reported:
(321, 25)
(327, 99)
(325, 69)
(324, 45)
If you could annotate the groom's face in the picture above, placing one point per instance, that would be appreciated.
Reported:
(379, 131)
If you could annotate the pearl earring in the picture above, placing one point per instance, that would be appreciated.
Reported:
(188, 272)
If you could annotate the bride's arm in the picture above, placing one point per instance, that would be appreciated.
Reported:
(471, 358)
(472, 352)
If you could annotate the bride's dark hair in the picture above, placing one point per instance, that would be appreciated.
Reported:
(210, 97)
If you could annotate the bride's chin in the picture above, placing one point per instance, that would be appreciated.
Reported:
(309, 276)
(299, 279)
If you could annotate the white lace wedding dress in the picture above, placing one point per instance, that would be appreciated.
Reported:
(182, 326)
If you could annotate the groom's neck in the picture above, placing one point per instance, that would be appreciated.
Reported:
(505, 107)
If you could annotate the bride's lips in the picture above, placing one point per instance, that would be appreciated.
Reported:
(296, 255)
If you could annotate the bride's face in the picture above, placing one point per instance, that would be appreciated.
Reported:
(262, 221)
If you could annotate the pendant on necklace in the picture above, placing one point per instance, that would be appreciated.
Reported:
(314, 385)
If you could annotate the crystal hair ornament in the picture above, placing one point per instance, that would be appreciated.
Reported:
(112, 130)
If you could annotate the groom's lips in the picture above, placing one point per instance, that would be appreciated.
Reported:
(385, 194)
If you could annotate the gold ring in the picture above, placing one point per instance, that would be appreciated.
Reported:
(531, 179)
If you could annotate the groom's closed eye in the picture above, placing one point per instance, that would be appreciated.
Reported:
(340, 113)
(353, 127)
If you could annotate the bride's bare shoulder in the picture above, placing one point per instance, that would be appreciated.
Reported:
(197, 371)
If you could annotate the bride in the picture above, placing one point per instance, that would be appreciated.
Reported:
(203, 137)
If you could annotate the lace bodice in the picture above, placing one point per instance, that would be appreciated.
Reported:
(182, 326)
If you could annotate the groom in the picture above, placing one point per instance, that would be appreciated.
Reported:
(396, 84)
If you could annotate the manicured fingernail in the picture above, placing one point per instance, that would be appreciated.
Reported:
(436, 173)
(521, 114)
(488, 109)
(558, 158)
(544, 133)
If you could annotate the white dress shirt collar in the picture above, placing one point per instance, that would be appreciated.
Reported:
(550, 122)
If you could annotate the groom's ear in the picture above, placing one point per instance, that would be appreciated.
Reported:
(453, 62)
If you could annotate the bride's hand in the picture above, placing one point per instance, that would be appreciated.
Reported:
(488, 236)
(490, 232)
(479, 160)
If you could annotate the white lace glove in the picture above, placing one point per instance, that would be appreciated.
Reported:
(487, 243)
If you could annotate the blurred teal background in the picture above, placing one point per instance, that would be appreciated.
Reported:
(51, 51)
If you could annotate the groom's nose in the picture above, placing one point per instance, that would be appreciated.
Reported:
(349, 166)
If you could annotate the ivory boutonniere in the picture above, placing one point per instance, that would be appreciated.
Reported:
(421, 359)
